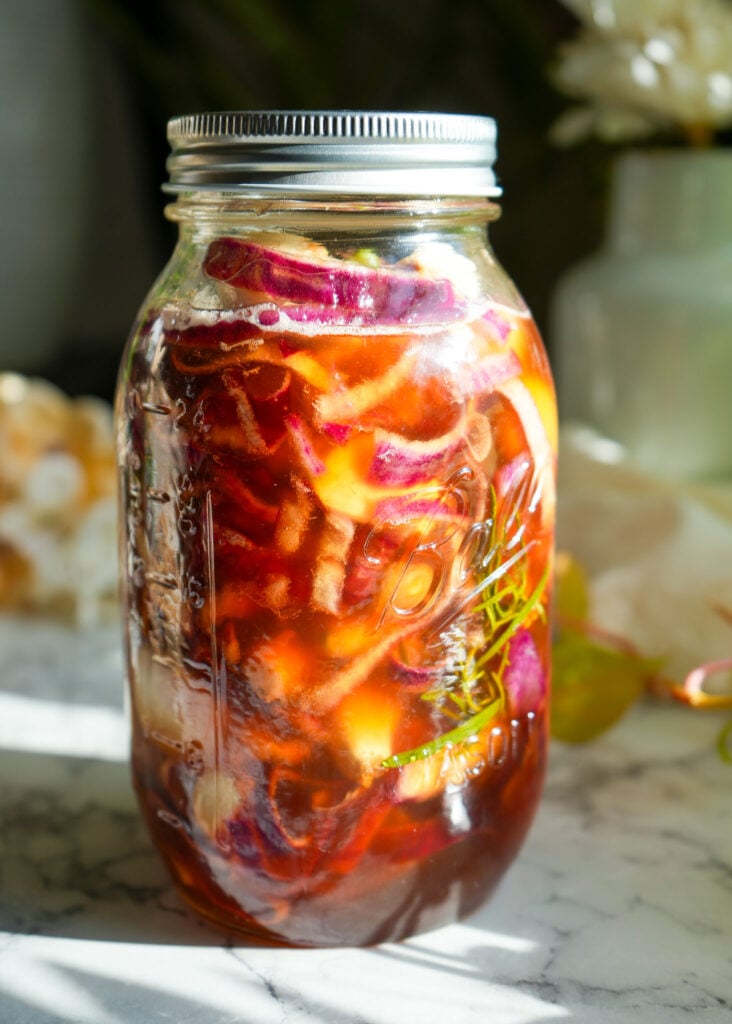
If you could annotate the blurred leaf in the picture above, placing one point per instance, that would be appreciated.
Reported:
(571, 597)
(723, 743)
(593, 685)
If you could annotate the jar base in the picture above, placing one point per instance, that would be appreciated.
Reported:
(394, 904)
(242, 929)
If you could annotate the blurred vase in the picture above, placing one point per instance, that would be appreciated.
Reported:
(43, 176)
(642, 331)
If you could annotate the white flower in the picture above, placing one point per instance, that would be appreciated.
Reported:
(58, 550)
(645, 66)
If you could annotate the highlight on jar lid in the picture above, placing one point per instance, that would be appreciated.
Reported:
(366, 153)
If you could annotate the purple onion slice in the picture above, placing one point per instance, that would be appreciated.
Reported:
(331, 290)
(525, 679)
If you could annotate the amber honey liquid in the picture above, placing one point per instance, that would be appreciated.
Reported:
(337, 588)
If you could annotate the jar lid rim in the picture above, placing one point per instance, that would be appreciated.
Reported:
(334, 151)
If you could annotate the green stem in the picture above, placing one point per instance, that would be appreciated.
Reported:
(518, 620)
(457, 735)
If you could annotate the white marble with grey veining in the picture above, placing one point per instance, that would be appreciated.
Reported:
(619, 908)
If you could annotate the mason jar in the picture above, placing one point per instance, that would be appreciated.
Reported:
(336, 435)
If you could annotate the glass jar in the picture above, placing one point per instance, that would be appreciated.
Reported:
(336, 435)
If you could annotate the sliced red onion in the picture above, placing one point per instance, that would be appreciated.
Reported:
(525, 678)
(517, 488)
(208, 349)
(399, 462)
(315, 815)
(491, 372)
(282, 776)
(348, 404)
(265, 382)
(246, 501)
(244, 838)
(511, 475)
(331, 562)
(294, 519)
(206, 361)
(415, 678)
(498, 322)
(254, 441)
(221, 329)
(304, 445)
(407, 508)
(539, 445)
(228, 538)
(338, 432)
(324, 697)
(331, 290)
(324, 316)
(328, 577)
(259, 393)
(479, 437)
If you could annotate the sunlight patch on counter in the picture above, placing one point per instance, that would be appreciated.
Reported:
(54, 727)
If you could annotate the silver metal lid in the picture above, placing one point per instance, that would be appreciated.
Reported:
(336, 152)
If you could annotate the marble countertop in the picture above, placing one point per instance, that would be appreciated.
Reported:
(619, 907)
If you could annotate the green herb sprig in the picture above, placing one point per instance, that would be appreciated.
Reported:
(506, 604)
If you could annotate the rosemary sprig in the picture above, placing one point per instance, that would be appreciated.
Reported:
(457, 735)
(517, 620)
(506, 605)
